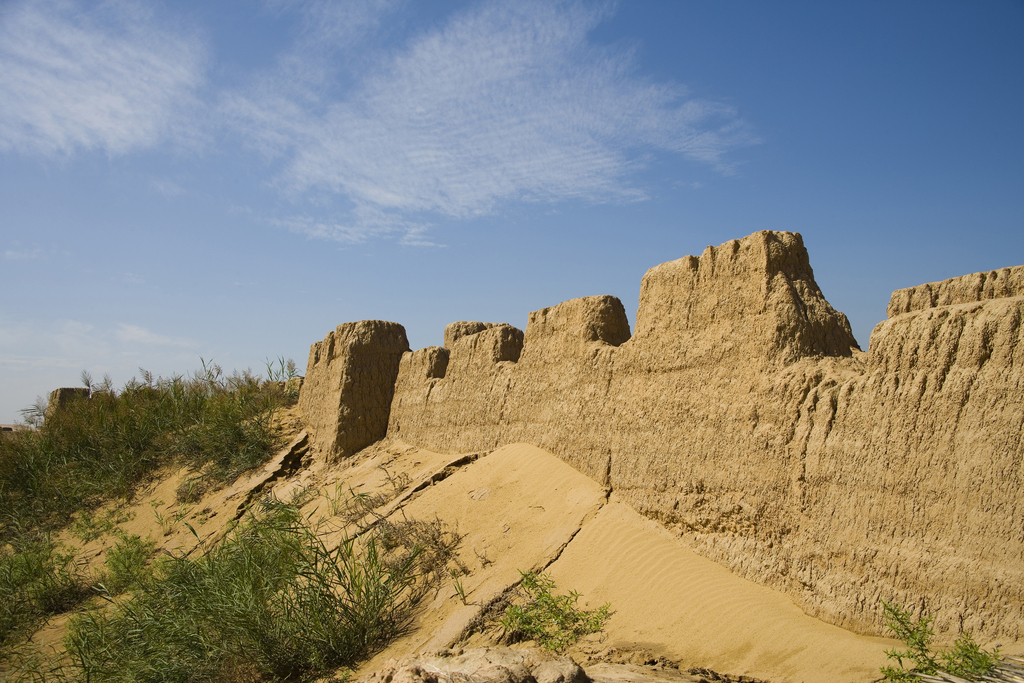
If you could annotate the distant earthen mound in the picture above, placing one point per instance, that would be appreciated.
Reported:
(743, 416)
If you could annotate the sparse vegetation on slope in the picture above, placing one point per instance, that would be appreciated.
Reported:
(98, 447)
(37, 578)
(271, 602)
(126, 564)
(102, 447)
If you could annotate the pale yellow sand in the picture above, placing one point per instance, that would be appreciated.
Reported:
(670, 600)
(516, 509)
(521, 508)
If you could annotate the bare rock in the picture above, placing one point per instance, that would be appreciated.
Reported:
(742, 415)
(748, 300)
(497, 343)
(494, 665)
(504, 665)
(463, 328)
(435, 360)
(588, 319)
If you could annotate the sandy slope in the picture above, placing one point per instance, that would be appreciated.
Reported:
(674, 602)
(522, 508)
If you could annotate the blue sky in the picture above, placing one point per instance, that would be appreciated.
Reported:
(231, 180)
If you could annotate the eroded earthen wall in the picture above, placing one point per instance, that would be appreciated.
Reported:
(349, 383)
(742, 414)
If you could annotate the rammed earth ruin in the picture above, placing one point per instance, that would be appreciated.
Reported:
(741, 414)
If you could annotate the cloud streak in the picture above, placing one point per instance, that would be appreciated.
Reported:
(133, 334)
(105, 79)
(22, 254)
(508, 102)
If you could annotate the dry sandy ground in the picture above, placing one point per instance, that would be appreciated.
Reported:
(521, 508)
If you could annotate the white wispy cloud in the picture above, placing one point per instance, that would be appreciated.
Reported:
(139, 335)
(76, 339)
(104, 77)
(17, 254)
(507, 102)
(330, 26)
(365, 222)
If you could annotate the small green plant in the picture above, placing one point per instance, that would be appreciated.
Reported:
(169, 521)
(166, 522)
(552, 620)
(966, 659)
(460, 590)
(126, 564)
(336, 499)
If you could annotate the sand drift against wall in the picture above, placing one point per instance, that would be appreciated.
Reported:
(742, 416)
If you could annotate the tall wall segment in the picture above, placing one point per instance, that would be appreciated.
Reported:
(742, 415)
(349, 383)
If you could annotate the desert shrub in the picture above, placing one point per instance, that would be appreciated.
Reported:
(281, 374)
(966, 659)
(431, 545)
(272, 600)
(37, 579)
(552, 620)
(233, 428)
(281, 371)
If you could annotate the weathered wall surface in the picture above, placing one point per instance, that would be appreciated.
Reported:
(995, 284)
(911, 474)
(349, 383)
(742, 415)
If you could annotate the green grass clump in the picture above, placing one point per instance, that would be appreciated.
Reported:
(966, 659)
(552, 620)
(37, 579)
(126, 567)
(271, 602)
